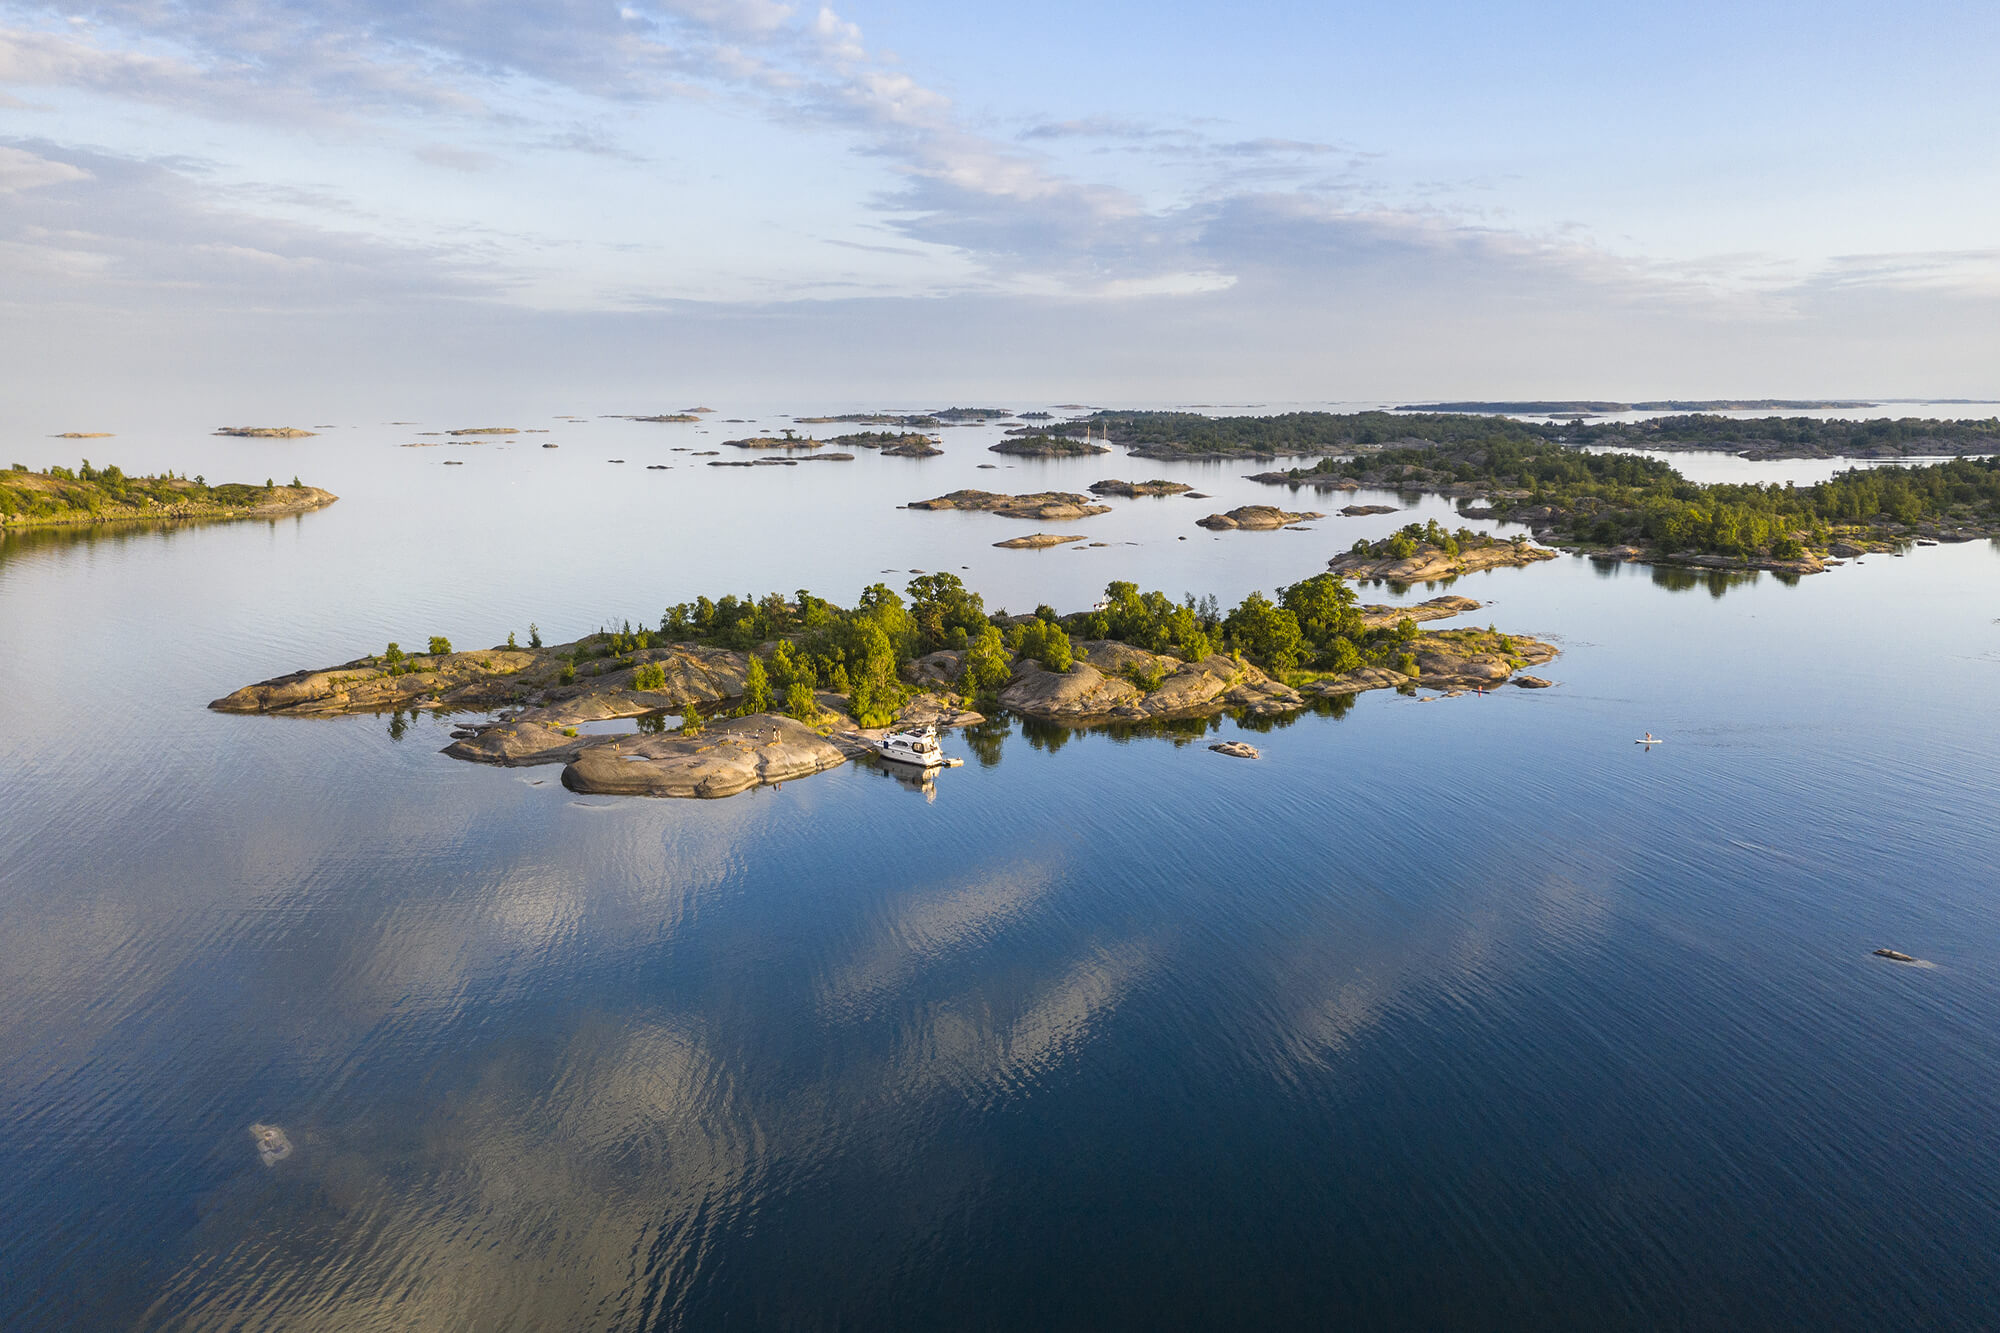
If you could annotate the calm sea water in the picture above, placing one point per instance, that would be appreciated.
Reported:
(1449, 1013)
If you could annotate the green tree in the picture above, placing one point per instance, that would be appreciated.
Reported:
(1323, 605)
(874, 690)
(691, 721)
(985, 669)
(1266, 633)
(393, 654)
(440, 645)
(1047, 643)
(799, 702)
(756, 687)
(534, 635)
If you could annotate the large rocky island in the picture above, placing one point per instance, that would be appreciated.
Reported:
(88, 494)
(774, 689)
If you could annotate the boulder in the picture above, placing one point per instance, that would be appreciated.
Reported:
(1235, 749)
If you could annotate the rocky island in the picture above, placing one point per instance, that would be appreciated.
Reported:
(893, 444)
(1036, 541)
(1137, 489)
(1425, 552)
(265, 432)
(1255, 518)
(106, 495)
(1042, 506)
(1041, 445)
(771, 689)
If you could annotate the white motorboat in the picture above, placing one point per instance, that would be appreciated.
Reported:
(917, 747)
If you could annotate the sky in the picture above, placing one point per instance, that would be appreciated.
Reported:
(891, 202)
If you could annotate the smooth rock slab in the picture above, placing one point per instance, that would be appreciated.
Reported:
(1236, 749)
(727, 758)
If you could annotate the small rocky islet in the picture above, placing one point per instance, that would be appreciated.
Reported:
(1042, 506)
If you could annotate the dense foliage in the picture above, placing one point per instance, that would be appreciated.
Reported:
(1166, 434)
(1608, 499)
(62, 494)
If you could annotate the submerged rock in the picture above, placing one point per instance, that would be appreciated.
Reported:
(272, 1145)
(1236, 749)
(1894, 956)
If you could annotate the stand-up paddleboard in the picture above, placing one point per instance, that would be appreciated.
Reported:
(1650, 740)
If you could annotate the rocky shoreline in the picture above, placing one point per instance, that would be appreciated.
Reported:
(1430, 563)
(293, 500)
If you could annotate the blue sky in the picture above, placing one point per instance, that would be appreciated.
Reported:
(1122, 203)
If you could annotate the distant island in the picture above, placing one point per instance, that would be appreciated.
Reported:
(265, 432)
(1039, 445)
(107, 495)
(1630, 507)
(1192, 436)
(1570, 407)
(773, 688)
(893, 444)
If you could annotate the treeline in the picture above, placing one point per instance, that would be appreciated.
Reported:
(1165, 434)
(1407, 540)
(1626, 499)
(107, 492)
(808, 643)
(1169, 433)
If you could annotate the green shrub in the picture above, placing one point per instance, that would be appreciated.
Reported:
(650, 676)
(534, 635)
(568, 676)
(440, 645)
(691, 721)
(799, 702)
(392, 654)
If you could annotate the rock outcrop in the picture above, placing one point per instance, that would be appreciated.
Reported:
(1036, 541)
(1104, 686)
(1043, 506)
(1429, 563)
(726, 758)
(1135, 489)
(1254, 518)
